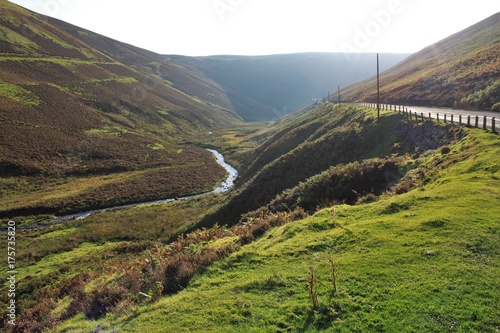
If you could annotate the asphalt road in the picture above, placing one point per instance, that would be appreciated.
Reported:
(457, 113)
(441, 112)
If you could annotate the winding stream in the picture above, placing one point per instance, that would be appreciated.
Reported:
(225, 186)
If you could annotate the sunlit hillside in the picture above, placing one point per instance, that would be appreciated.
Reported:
(460, 71)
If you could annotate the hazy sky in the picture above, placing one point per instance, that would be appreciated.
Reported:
(254, 27)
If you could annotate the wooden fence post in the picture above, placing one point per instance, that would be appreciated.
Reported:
(445, 117)
(493, 125)
(451, 116)
(477, 121)
(460, 119)
(430, 117)
(484, 122)
(468, 120)
(437, 116)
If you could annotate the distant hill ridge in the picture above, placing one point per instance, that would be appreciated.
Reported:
(268, 87)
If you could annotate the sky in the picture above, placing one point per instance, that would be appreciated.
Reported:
(261, 27)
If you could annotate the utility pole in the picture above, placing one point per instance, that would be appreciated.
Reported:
(378, 90)
(338, 89)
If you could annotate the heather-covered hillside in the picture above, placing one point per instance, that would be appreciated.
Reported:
(461, 71)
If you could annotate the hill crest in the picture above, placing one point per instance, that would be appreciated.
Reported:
(447, 73)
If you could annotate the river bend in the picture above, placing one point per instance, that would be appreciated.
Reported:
(225, 186)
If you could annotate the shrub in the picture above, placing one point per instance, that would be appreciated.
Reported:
(178, 270)
(104, 299)
(485, 99)
(36, 319)
(345, 183)
(165, 269)
(445, 150)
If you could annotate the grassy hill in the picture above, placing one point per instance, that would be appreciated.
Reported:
(412, 234)
(459, 71)
(425, 261)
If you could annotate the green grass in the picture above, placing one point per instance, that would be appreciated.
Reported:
(18, 94)
(9, 35)
(52, 263)
(156, 146)
(424, 261)
(128, 224)
(236, 142)
(57, 233)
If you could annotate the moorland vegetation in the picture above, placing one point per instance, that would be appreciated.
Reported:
(339, 221)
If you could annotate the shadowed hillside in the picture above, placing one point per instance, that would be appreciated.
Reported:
(314, 141)
(459, 71)
(268, 87)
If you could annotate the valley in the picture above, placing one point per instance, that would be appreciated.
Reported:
(165, 193)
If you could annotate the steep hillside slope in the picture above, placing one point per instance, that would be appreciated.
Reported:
(268, 87)
(419, 258)
(76, 104)
(446, 74)
(313, 141)
(425, 261)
